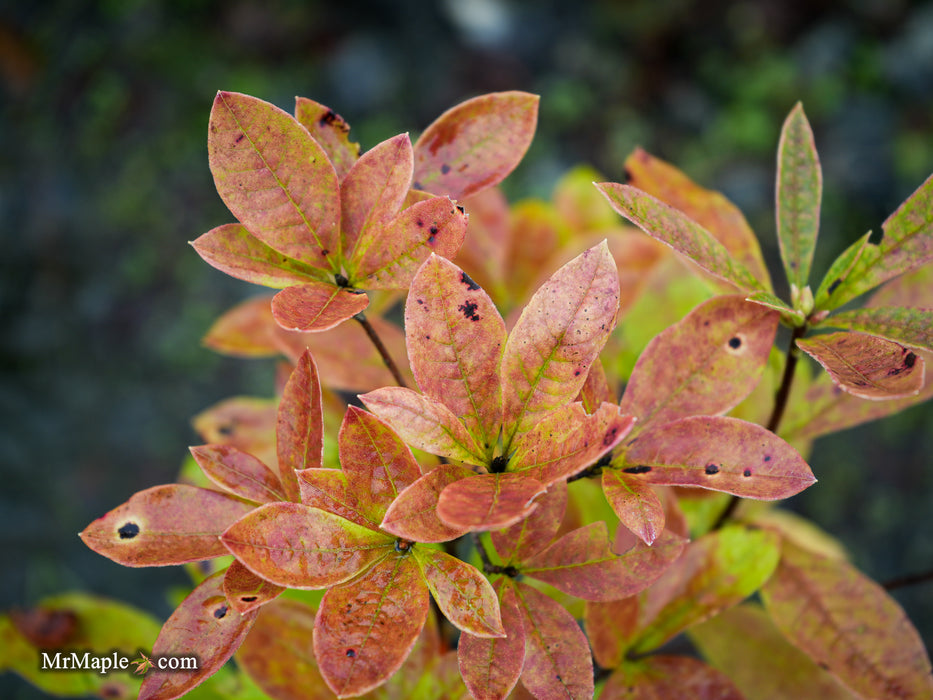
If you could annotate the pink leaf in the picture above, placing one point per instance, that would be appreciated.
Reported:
(242, 422)
(299, 425)
(413, 515)
(331, 132)
(661, 677)
(245, 590)
(488, 501)
(534, 533)
(316, 306)
(462, 593)
(328, 490)
(239, 473)
(636, 504)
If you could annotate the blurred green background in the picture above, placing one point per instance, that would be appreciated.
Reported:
(104, 180)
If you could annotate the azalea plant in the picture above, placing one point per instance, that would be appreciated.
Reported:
(470, 455)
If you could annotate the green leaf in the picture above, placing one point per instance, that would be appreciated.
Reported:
(413, 515)
(245, 591)
(239, 473)
(770, 301)
(636, 504)
(488, 501)
(534, 533)
(867, 366)
(274, 177)
(849, 625)
(331, 132)
(662, 676)
(799, 191)
(300, 424)
(681, 233)
(316, 306)
(462, 593)
(476, 144)
(170, 524)
(909, 326)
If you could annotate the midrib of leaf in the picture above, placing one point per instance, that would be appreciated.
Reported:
(327, 550)
(382, 459)
(536, 632)
(348, 506)
(272, 492)
(444, 573)
(358, 252)
(444, 429)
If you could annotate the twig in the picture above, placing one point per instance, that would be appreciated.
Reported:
(488, 566)
(909, 580)
(380, 346)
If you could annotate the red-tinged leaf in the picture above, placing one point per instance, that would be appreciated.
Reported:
(274, 177)
(231, 248)
(557, 655)
(300, 424)
(373, 191)
(424, 423)
(278, 654)
(681, 233)
(490, 667)
(636, 504)
(913, 289)
(703, 365)
(535, 234)
(596, 389)
(487, 242)
(557, 338)
(474, 145)
(246, 330)
(391, 254)
(534, 533)
(849, 625)
(488, 501)
(455, 340)
(243, 422)
(718, 453)
(798, 195)
(366, 628)
(245, 590)
(328, 490)
(203, 626)
(708, 208)
(378, 465)
(612, 628)
(331, 132)
(768, 666)
(239, 473)
(664, 677)
(413, 515)
(163, 525)
(867, 366)
(316, 307)
(583, 564)
(909, 326)
(296, 546)
(462, 593)
(566, 441)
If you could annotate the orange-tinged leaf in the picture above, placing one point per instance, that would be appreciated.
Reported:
(596, 389)
(455, 340)
(849, 625)
(246, 330)
(534, 533)
(203, 626)
(331, 132)
(170, 524)
(231, 248)
(612, 628)
(557, 338)
(296, 546)
(328, 490)
(486, 244)
(316, 306)
(912, 327)
(413, 515)
(299, 427)
(274, 177)
(245, 590)
(239, 473)
(719, 453)
(243, 422)
(488, 501)
(366, 628)
(373, 191)
(490, 667)
(703, 365)
(663, 677)
(913, 289)
(278, 656)
(535, 235)
(557, 655)
(867, 366)
(424, 423)
(461, 592)
(636, 504)
(475, 144)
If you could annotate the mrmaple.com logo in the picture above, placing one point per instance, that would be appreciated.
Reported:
(115, 661)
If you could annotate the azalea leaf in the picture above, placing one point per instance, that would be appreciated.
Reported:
(867, 366)
(163, 525)
(366, 628)
(274, 177)
(582, 564)
(231, 248)
(658, 677)
(246, 330)
(245, 590)
(913, 289)
(557, 655)
(329, 490)
(474, 145)
(490, 667)
(316, 306)
(557, 338)
(596, 389)
(456, 338)
(677, 230)
(636, 504)
(534, 533)
(708, 208)
(246, 423)
(331, 132)
(461, 592)
(718, 453)
(203, 626)
(793, 318)
(413, 515)
(239, 473)
(703, 365)
(799, 191)
(612, 628)
(296, 546)
(912, 327)
(488, 501)
(848, 624)
(300, 424)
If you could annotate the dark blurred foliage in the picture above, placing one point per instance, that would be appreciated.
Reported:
(104, 179)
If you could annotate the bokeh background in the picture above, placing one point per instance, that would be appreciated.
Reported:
(104, 180)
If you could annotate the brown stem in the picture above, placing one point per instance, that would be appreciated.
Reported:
(909, 580)
(380, 346)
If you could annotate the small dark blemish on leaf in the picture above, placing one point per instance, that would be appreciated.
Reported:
(576, 373)
(705, 323)
(325, 252)
(341, 280)
(351, 653)
(747, 472)
(610, 436)
(221, 612)
(910, 360)
(557, 676)
(128, 531)
(468, 281)
(240, 137)
(767, 458)
(328, 118)
(420, 301)
(469, 310)
(640, 469)
(712, 469)
(461, 209)
(417, 186)
(832, 287)
(735, 342)
(420, 223)
(445, 168)
(226, 429)
(248, 598)
(433, 231)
